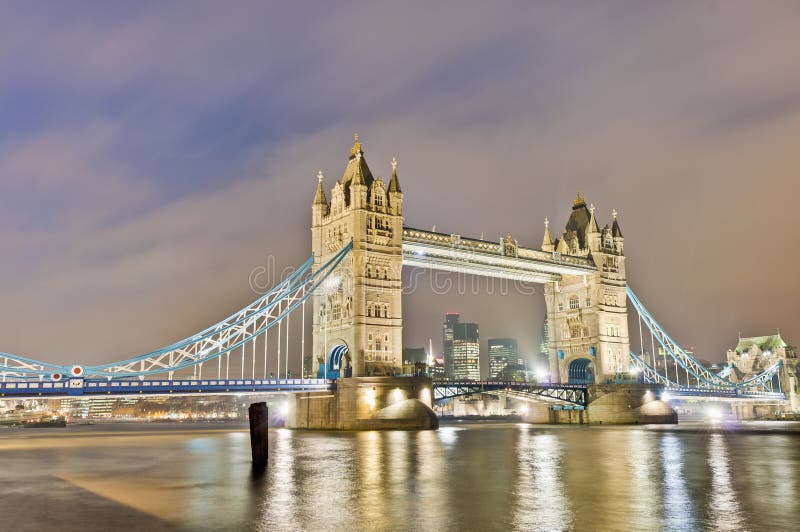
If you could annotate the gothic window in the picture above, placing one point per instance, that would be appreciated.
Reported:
(385, 311)
(378, 344)
(337, 311)
(588, 301)
(561, 306)
(369, 271)
(369, 311)
(378, 199)
(574, 302)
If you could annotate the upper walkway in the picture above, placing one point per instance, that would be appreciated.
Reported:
(504, 259)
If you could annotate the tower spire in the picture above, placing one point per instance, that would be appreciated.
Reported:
(394, 183)
(616, 232)
(547, 241)
(319, 198)
(592, 227)
(356, 150)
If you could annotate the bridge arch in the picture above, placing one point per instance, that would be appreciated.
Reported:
(337, 363)
(580, 371)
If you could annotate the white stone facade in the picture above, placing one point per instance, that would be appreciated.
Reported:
(587, 314)
(362, 307)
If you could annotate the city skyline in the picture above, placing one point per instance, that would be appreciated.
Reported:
(111, 167)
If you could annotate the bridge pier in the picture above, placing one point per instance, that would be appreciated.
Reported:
(367, 403)
(611, 404)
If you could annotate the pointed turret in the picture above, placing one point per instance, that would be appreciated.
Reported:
(562, 247)
(320, 207)
(320, 198)
(616, 232)
(395, 193)
(547, 241)
(578, 224)
(592, 232)
(357, 176)
(394, 184)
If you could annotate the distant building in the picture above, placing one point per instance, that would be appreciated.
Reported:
(451, 319)
(543, 360)
(412, 355)
(437, 371)
(461, 349)
(514, 373)
(502, 352)
(414, 368)
(753, 355)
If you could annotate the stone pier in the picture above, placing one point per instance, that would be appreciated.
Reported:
(610, 404)
(366, 403)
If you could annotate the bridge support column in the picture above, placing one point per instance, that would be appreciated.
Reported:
(367, 403)
(259, 443)
(615, 404)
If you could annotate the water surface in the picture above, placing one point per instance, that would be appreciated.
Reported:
(461, 477)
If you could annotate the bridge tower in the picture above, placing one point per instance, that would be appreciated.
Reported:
(358, 324)
(587, 315)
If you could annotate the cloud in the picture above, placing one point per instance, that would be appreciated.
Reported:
(180, 143)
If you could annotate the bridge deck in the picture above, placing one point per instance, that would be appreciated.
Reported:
(81, 387)
(671, 392)
(454, 253)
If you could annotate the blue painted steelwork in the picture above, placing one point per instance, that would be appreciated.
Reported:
(580, 371)
(208, 345)
(705, 378)
(564, 394)
(93, 387)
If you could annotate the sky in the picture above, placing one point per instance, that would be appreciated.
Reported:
(153, 154)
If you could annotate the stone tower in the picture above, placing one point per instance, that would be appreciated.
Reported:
(358, 324)
(587, 315)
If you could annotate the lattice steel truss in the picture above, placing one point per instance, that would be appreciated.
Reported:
(242, 327)
(566, 394)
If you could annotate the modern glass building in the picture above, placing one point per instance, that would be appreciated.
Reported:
(502, 352)
(461, 349)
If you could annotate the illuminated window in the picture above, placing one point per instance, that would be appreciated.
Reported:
(574, 302)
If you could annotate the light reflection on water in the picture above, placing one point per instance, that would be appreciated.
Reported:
(541, 501)
(469, 477)
(724, 510)
(678, 511)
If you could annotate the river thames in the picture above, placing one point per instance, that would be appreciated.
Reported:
(461, 477)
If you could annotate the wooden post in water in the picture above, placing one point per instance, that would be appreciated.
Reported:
(259, 444)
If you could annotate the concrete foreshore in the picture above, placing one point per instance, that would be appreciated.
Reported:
(366, 403)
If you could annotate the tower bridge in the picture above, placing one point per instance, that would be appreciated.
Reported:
(352, 284)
